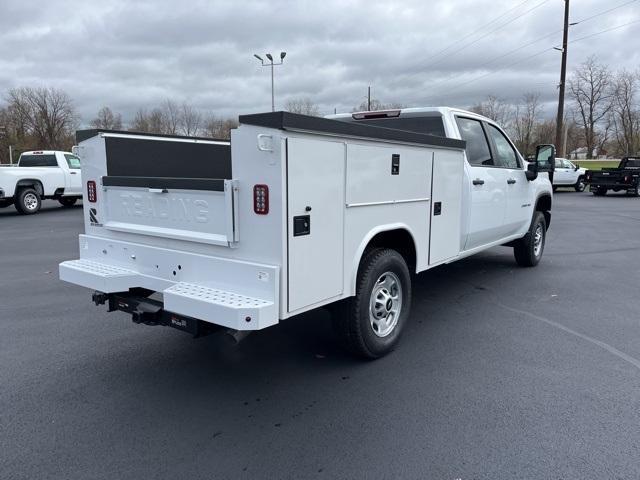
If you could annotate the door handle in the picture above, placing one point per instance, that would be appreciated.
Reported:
(477, 181)
(511, 181)
(73, 173)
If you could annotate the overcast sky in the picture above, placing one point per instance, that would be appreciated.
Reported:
(134, 54)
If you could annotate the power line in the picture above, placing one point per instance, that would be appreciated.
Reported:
(492, 31)
(423, 65)
(584, 20)
(536, 55)
(606, 11)
(489, 62)
(476, 31)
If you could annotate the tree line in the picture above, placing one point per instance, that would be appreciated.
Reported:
(603, 116)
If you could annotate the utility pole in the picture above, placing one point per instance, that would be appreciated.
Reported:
(271, 64)
(563, 76)
(369, 98)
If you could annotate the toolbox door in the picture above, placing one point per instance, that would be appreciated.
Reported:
(446, 205)
(315, 211)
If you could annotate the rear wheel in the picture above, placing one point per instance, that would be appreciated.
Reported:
(580, 185)
(370, 324)
(528, 250)
(28, 201)
(600, 192)
(67, 201)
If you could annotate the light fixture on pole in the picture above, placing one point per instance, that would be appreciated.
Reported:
(271, 64)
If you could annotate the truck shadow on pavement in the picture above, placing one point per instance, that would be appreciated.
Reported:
(303, 346)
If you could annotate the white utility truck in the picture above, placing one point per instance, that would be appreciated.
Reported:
(300, 212)
(39, 175)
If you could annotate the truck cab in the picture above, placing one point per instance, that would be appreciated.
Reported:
(498, 197)
(39, 175)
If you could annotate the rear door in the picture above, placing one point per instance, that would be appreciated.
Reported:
(315, 204)
(74, 179)
(488, 203)
(563, 174)
(518, 188)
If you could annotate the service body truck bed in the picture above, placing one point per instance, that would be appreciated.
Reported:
(275, 223)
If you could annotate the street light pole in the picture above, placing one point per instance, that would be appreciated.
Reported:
(271, 64)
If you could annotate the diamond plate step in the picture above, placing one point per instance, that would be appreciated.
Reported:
(99, 276)
(222, 307)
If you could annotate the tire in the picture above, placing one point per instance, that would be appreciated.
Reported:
(600, 192)
(580, 185)
(366, 324)
(28, 201)
(67, 201)
(529, 249)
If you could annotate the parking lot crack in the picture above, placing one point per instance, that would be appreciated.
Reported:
(627, 358)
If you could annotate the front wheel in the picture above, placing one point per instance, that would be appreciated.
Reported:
(528, 250)
(370, 324)
(28, 201)
(67, 201)
(580, 185)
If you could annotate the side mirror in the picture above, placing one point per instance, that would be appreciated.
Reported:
(531, 172)
(546, 158)
(577, 168)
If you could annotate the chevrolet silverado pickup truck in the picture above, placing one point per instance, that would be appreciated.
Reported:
(42, 174)
(624, 178)
(568, 174)
(300, 212)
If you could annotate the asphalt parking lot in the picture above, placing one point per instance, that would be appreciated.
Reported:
(503, 372)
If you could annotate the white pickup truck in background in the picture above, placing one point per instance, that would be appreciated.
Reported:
(300, 212)
(43, 174)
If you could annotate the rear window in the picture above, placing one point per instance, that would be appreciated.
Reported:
(72, 161)
(38, 161)
(633, 163)
(432, 125)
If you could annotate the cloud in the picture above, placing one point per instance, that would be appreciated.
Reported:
(136, 54)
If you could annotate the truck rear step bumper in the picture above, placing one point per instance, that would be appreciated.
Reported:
(205, 298)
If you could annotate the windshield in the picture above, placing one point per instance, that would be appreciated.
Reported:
(72, 161)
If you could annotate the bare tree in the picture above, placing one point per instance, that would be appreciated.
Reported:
(590, 87)
(304, 105)
(626, 113)
(524, 121)
(545, 132)
(107, 119)
(140, 121)
(190, 120)
(219, 127)
(171, 116)
(46, 114)
(496, 109)
(376, 105)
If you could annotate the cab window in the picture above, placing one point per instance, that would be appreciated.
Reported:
(471, 131)
(505, 154)
(72, 161)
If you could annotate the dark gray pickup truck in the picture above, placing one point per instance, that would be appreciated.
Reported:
(626, 177)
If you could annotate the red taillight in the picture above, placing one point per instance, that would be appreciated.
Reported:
(92, 193)
(261, 199)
